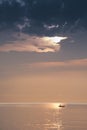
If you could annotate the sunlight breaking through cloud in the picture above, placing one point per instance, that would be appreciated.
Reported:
(26, 43)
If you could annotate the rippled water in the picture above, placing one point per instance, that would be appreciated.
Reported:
(43, 117)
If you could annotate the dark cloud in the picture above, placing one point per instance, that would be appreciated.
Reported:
(46, 18)
(10, 12)
(65, 13)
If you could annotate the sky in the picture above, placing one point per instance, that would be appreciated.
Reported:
(43, 51)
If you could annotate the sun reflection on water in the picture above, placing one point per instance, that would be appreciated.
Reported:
(54, 123)
(49, 119)
(57, 116)
(56, 106)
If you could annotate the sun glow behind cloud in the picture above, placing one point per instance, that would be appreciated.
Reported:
(27, 43)
(55, 39)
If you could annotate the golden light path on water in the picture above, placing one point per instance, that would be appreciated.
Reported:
(47, 116)
(56, 123)
(56, 106)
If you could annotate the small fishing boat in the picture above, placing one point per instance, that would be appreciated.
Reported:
(61, 105)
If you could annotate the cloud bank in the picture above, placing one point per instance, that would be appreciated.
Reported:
(59, 66)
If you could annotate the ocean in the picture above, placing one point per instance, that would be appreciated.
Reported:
(43, 116)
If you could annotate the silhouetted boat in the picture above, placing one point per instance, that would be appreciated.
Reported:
(61, 105)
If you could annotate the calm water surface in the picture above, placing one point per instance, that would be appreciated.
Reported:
(43, 117)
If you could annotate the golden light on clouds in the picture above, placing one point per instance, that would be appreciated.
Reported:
(26, 43)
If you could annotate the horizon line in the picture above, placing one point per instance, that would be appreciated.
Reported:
(38, 103)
